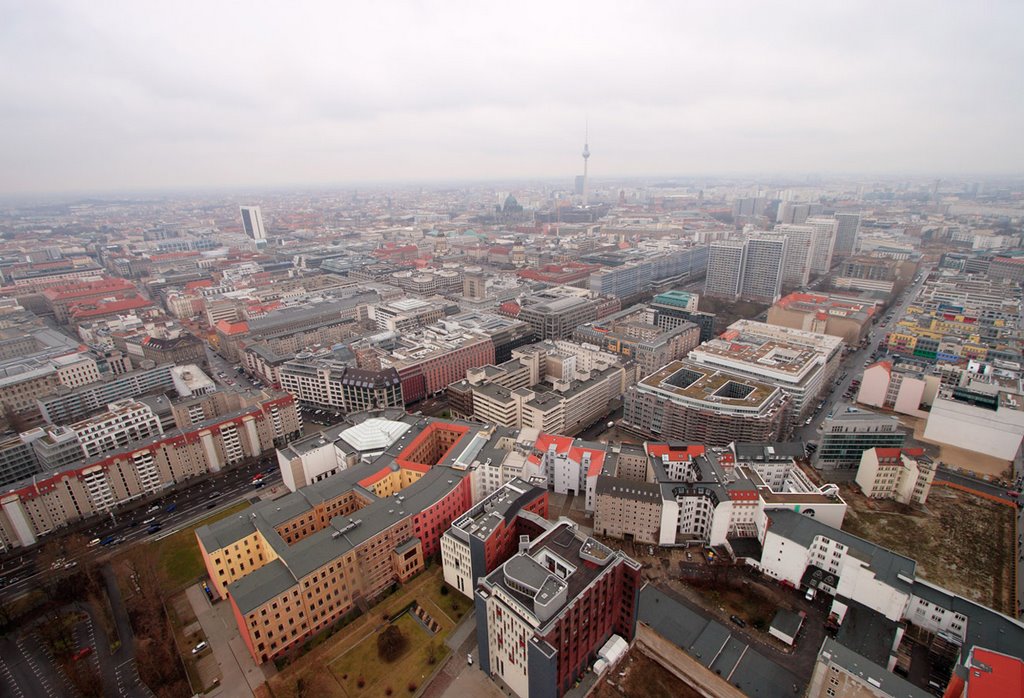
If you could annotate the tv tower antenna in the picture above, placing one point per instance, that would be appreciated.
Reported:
(586, 156)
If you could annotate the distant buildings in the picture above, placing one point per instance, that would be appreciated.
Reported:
(634, 334)
(751, 269)
(252, 224)
(846, 233)
(833, 315)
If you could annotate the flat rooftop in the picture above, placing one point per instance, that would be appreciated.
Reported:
(693, 381)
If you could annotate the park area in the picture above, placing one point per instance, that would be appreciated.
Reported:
(961, 542)
(359, 664)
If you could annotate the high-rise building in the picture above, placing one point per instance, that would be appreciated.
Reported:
(762, 269)
(846, 233)
(750, 269)
(800, 242)
(725, 268)
(824, 243)
(544, 615)
(252, 223)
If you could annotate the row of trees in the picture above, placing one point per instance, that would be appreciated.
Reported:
(156, 653)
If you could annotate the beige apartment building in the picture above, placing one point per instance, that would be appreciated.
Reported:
(902, 474)
(32, 508)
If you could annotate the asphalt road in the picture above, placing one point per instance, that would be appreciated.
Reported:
(190, 502)
(854, 364)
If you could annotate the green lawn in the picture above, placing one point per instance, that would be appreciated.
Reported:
(453, 604)
(179, 553)
(411, 667)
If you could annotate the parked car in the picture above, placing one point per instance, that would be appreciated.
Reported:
(81, 654)
(738, 621)
(200, 647)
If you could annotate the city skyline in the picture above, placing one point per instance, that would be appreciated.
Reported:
(144, 98)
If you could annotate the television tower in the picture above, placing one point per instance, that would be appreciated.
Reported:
(586, 156)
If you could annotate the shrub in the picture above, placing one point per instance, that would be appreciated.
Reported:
(391, 643)
(360, 682)
(444, 590)
(412, 687)
(388, 691)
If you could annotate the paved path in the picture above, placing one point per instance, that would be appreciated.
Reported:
(240, 676)
(126, 674)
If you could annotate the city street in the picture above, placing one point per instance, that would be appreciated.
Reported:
(853, 364)
(193, 501)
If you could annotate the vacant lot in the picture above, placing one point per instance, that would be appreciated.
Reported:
(644, 677)
(963, 543)
(179, 553)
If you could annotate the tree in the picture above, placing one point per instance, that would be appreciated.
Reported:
(86, 678)
(391, 643)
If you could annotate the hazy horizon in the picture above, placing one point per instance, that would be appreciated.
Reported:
(105, 98)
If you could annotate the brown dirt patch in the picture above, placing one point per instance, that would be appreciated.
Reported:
(961, 542)
(644, 677)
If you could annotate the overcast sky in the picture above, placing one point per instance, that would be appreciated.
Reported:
(97, 95)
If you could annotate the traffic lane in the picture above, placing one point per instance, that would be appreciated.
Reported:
(188, 504)
(974, 484)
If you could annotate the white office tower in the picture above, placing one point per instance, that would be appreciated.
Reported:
(725, 268)
(762, 268)
(799, 251)
(846, 233)
(252, 224)
(824, 243)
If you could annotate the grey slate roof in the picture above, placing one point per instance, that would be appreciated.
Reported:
(714, 646)
(895, 570)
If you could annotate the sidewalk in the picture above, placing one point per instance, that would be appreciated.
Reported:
(240, 676)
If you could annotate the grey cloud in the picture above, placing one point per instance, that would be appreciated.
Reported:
(192, 94)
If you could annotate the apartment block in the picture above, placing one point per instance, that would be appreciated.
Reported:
(65, 405)
(834, 315)
(902, 474)
(672, 309)
(800, 363)
(325, 383)
(491, 532)
(292, 566)
(689, 402)
(544, 615)
(556, 313)
(634, 334)
(60, 300)
(32, 508)
(717, 497)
